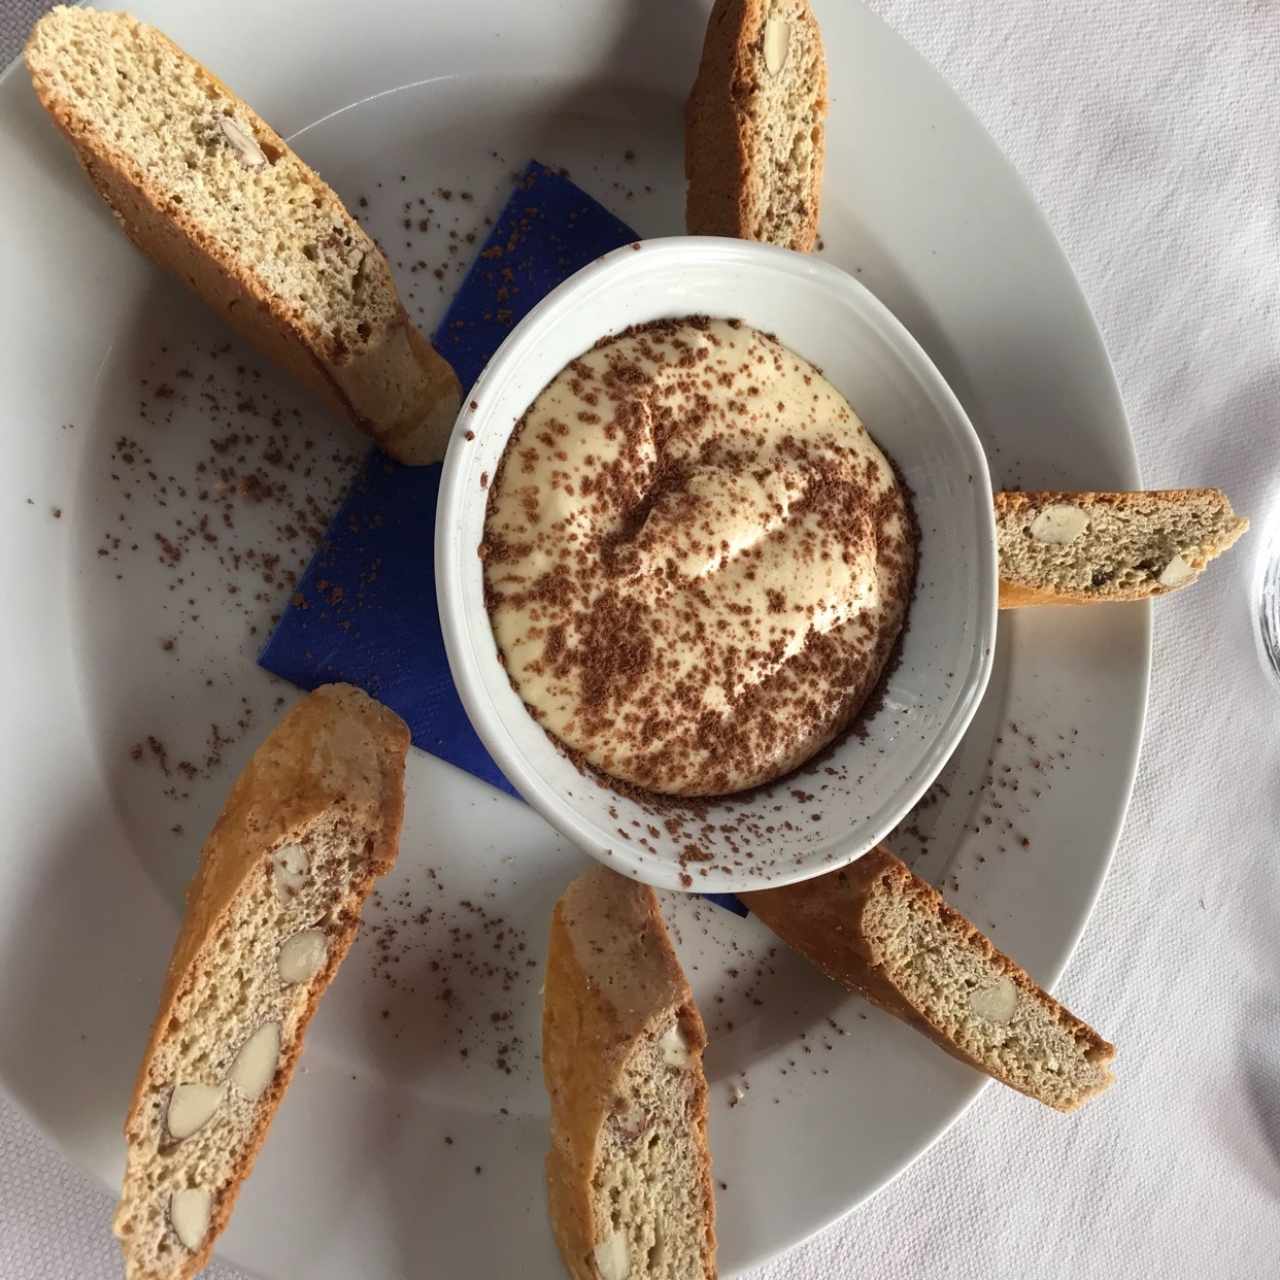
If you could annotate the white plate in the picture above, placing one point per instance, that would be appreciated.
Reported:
(357, 1177)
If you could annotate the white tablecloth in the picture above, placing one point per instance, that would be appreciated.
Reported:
(1149, 132)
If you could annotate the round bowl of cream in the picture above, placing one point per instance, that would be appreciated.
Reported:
(684, 516)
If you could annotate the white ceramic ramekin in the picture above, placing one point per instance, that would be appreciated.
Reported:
(835, 810)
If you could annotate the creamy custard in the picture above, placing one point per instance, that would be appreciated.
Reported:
(697, 561)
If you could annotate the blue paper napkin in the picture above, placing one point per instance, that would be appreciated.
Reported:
(548, 230)
(365, 610)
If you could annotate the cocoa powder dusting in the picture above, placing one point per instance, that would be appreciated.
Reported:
(685, 684)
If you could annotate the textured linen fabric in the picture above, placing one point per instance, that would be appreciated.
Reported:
(1149, 133)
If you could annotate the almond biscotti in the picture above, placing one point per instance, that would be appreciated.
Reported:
(629, 1172)
(1089, 548)
(755, 137)
(275, 904)
(883, 932)
(207, 189)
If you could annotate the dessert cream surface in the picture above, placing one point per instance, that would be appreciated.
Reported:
(697, 560)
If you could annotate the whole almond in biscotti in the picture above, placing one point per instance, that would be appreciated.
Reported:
(275, 904)
(754, 132)
(207, 189)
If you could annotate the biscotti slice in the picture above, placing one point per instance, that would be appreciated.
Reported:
(880, 930)
(754, 134)
(1086, 548)
(201, 184)
(314, 818)
(629, 1174)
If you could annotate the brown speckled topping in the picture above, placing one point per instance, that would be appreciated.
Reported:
(696, 559)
